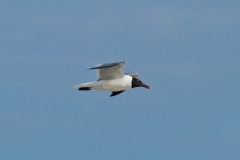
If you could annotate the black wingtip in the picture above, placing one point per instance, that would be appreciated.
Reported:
(116, 93)
(84, 89)
(112, 95)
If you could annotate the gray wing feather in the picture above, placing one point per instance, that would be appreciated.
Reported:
(107, 65)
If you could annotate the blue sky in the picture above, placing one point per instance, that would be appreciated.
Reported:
(187, 52)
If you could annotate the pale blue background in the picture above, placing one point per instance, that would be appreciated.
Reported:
(188, 52)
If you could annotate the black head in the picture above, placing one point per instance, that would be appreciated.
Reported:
(137, 83)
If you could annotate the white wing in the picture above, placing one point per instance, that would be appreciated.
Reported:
(109, 70)
(134, 75)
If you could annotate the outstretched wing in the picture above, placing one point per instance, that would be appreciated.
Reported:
(109, 70)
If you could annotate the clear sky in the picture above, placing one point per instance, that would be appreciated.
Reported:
(188, 52)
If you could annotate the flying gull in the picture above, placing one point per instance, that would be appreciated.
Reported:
(110, 77)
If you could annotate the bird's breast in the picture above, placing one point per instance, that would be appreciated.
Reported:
(118, 84)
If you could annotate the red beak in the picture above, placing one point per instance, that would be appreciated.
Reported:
(145, 86)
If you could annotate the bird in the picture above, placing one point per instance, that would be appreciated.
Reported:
(110, 77)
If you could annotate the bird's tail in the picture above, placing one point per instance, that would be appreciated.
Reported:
(85, 85)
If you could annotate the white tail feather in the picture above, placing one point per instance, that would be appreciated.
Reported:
(90, 84)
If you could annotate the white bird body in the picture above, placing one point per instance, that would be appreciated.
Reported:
(114, 85)
(111, 78)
